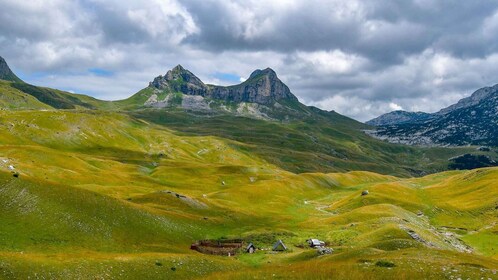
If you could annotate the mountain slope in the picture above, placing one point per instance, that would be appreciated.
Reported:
(472, 121)
(399, 117)
(16, 94)
(13, 99)
(5, 72)
(279, 129)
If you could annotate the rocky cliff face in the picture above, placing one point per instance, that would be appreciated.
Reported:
(263, 87)
(6, 73)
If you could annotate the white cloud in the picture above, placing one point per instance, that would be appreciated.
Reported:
(331, 62)
(395, 107)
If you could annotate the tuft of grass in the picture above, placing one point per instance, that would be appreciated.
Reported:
(384, 264)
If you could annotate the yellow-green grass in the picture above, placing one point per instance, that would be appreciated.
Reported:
(97, 198)
(320, 142)
(14, 99)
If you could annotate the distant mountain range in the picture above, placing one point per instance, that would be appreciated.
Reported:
(471, 121)
(399, 117)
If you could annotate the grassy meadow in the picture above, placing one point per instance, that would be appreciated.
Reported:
(119, 195)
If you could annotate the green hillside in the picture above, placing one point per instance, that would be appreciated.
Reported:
(310, 140)
(109, 196)
(14, 99)
(22, 96)
(93, 189)
(321, 142)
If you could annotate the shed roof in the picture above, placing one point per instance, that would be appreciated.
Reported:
(250, 245)
(279, 246)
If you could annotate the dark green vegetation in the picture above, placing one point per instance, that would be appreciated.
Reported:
(385, 264)
(57, 100)
(322, 142)
(471, 161)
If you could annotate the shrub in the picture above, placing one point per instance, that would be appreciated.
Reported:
(384, 264)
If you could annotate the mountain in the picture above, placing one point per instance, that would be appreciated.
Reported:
(5, 72)
(262, 95)
(478, 97)
(261, 113)
(263, 87)
(471, 121)
(399, 117)
(18, 95)
(91, 189)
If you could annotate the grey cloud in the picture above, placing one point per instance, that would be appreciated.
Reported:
(360, 58)
(383, 31)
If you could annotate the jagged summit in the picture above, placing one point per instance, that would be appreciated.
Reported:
(179, 67)
(6, 73)
(179, 79)
(258, 72)
(263, 87)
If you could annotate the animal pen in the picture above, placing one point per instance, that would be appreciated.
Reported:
(223, 247)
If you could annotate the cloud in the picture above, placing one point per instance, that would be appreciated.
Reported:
(395, 107)
(360, 58)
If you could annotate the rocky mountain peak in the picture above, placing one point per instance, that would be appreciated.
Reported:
(6, 73)
(476, 97)
(265, 72)
(178, 68)
(262, 87)
(178, 79)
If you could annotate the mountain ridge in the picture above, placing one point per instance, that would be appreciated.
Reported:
(6, 73)
(471, 121)
(398, 117)
(262, 87)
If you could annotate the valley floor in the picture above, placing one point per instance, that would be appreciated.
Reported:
(105, 196)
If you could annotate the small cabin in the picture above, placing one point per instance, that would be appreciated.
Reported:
(250, 248)
(279, 246)
(315, 243)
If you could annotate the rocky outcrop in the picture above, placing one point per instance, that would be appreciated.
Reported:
(262, 87)
(6, 73)
(399, 117)
(181, 80)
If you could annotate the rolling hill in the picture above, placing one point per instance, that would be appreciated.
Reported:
(113, 197)
(93, 189)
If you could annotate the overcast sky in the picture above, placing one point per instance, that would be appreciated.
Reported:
(359, 58)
